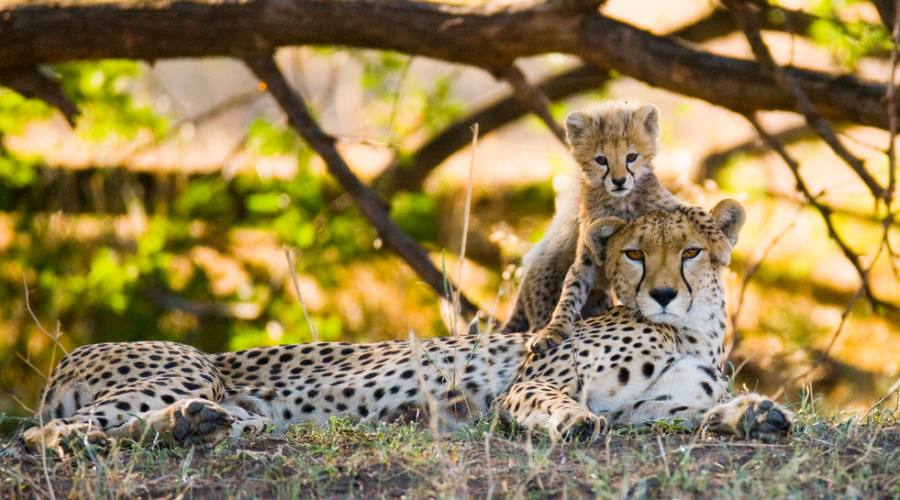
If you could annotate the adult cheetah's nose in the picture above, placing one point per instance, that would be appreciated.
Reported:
(663, 295)
(619, 181)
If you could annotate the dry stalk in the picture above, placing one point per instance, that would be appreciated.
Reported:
(290, 260)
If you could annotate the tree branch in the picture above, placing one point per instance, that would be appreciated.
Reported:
(716, 160)
(824, 211)
(748, 23)
(32, 83)
(531, 97)
(368, 203)
(409, 172)
(488, 36)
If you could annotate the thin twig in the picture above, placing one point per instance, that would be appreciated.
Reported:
(395, 102)
(892, 113)
(884, 398)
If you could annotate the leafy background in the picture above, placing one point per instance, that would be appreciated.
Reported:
(166, 212)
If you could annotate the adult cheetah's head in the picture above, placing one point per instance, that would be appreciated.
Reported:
(614, 144)
(666, 263)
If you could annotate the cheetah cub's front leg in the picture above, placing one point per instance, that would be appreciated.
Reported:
(577, 285)
(576, 288)
(749, 416)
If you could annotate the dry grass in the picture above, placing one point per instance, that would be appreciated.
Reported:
(823, 458)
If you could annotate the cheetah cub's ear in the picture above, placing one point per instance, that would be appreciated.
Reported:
(599, 233)
(729, 217)
(577, 125)
(648, 116)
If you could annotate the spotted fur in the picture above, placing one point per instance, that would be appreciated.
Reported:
(634, 364)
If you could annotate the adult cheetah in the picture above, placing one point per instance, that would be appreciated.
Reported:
(655, 357)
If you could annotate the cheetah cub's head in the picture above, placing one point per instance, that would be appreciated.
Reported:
(614, 145)
(666, 264)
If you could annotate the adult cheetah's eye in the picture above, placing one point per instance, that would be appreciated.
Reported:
(601, 160)
(634, 254)
(631, 157)
(690, 253)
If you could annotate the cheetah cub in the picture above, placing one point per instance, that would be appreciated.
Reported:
(614, 146)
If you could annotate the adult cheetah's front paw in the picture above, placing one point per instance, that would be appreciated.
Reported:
(584, 428)
(749, 416)
(546, 339)
(196, 421)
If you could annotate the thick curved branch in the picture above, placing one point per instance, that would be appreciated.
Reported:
(32, 83)
(368, 203)
(409, 172)
(487, 36)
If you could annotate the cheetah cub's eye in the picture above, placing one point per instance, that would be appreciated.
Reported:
(634, 254)
(690, 253)
(601, 160)
(631, 158)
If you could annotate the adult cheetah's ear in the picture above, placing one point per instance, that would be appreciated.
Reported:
(599, 233)
(730, 217)
(721, 227)
(648, 116)
(577, 124)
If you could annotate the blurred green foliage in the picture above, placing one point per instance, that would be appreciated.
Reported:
(848, 41)
(109, 286)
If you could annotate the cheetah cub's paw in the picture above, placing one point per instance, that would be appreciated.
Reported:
(194, 421)
(749, 416)
(66, 439)
(546, 339)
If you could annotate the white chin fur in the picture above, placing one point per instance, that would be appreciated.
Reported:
(672, 315)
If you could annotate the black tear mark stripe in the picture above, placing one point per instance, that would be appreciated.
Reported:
(688, 285)
(637, 289)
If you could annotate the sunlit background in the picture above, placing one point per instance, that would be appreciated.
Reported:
(166, 212)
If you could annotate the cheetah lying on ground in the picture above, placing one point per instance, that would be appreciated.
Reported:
(656, 357)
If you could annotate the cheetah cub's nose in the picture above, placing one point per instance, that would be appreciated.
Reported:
(619, 181)
(663, 295)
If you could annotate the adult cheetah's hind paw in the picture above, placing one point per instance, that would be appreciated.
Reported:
(67, 439)
(750, 416)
